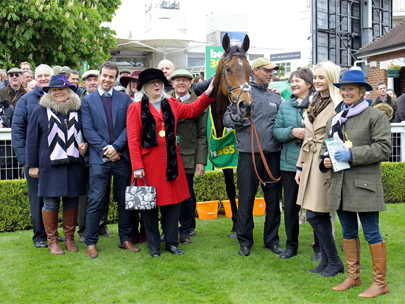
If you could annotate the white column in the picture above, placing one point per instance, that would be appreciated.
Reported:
(390, 83)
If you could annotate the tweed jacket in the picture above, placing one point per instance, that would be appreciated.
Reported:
(312, 189)
(359, 189)
(12, 96)
(193, 137)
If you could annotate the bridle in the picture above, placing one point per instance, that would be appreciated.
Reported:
(243, 87)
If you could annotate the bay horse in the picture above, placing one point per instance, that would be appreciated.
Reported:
(231, 85)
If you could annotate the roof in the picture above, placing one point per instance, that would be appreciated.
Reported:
(393, 39)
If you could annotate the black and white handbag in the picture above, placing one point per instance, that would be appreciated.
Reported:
(140, 197)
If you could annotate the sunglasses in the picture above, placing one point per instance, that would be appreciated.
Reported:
(14, 75)
(266, 70)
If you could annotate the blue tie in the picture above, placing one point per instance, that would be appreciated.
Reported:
(106, 95)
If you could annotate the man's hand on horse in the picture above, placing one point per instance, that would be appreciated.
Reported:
(210, 88)
(199, 169)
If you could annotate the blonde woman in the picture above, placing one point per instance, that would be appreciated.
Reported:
(312, 188)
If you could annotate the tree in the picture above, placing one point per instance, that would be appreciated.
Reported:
(63, 32)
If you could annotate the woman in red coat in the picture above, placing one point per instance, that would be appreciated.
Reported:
(151, 126)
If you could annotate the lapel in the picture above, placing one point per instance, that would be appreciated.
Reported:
(99, 105)
(115, 103)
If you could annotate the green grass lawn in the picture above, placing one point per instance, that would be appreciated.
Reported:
(210, 271)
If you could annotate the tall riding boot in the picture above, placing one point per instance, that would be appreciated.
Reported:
(352, 252)
(323, 229)
(50, 219)
(69, 227)
(379, 285)
(322, 264)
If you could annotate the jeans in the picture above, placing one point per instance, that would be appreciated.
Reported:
(369, 222)
(52, 203)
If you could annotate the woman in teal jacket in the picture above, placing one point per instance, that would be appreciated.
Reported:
(290, 131)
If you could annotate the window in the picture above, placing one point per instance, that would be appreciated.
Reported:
(287, 66)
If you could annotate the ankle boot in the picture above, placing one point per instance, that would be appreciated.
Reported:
(69, 227)
(50, 219)
(379, 285)
(323, 229)
(322, 264)
(352, 252)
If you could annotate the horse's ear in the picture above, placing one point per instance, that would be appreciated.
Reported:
(246, 43)
(226, 43)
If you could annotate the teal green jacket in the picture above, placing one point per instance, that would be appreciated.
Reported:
(289, 116)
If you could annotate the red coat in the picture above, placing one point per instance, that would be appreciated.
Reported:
(154, 160)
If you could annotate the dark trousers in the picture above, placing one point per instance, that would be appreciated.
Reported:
(99, 182)
(36, 204)
(247, 184)
(291, 210)
(81, 218)
(187, 208)
(53, 203)
(170, 218)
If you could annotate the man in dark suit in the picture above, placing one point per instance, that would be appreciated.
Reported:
(104, 115)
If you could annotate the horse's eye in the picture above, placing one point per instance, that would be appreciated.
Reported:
(228, 69)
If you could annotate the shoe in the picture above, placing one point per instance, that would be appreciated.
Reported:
(244, 251)
(61, 239)
(40, 244)
(233, 235)
(322, 264)
(106, 233)
(276, 249)
(69, 227)
(185, 239)
(91, 251)
(162, 238)
(81, 240)
(128, 245)
(174, 250)
(316, 257)
(287, 254)
(379, 258)
(154, 253)
(192, 232)
(352, 253)
(333, 269)
(50, 219)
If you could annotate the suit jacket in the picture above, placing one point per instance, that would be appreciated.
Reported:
(359, 189)
(95, 127)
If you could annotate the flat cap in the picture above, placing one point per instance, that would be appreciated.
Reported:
(14, 70)
(181, 73)
(90, 73)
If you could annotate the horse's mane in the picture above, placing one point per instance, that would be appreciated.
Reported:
(236, 50)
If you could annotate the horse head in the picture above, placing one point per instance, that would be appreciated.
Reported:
(232, 76)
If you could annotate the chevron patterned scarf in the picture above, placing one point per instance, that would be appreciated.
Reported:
(62, 151)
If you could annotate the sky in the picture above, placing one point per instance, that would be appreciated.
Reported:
(271, 23)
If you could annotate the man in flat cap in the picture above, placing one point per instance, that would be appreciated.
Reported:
(123, 73)
(15, 89)
(266, 104)
(91, 82)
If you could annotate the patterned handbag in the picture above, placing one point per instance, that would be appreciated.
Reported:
(140, 197)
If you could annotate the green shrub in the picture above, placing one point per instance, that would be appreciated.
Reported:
(15, 207)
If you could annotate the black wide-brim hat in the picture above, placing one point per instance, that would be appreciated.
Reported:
(151, 74)
(58, 81)
(353, 77)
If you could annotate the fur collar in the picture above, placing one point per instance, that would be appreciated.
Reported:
(73, 103)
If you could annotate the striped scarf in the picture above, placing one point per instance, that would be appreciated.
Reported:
(1, 115)
(62, 151)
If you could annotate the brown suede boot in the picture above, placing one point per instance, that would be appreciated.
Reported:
(69, 227)
(379, 285)
(50, 219)
(352, 252)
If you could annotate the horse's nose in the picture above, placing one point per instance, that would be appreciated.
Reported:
(245, 109)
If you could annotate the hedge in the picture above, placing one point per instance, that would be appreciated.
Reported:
(15, 208)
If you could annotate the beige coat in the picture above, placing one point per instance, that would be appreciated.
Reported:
(312, 189)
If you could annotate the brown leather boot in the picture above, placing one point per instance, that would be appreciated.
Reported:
(50, 219)
(69, 227)
(379, 285)
(352, 252)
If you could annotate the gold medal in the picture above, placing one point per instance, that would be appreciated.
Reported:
(162, 132)
(348, 144)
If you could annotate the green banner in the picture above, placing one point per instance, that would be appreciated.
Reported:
(212, 56)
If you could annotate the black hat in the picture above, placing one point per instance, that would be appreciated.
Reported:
(151, 74)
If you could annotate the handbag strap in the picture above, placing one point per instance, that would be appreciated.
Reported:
(135, 181)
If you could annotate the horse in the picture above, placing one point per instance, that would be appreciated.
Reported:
(231, 85)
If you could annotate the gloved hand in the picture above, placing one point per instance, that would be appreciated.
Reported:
(343, 155)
